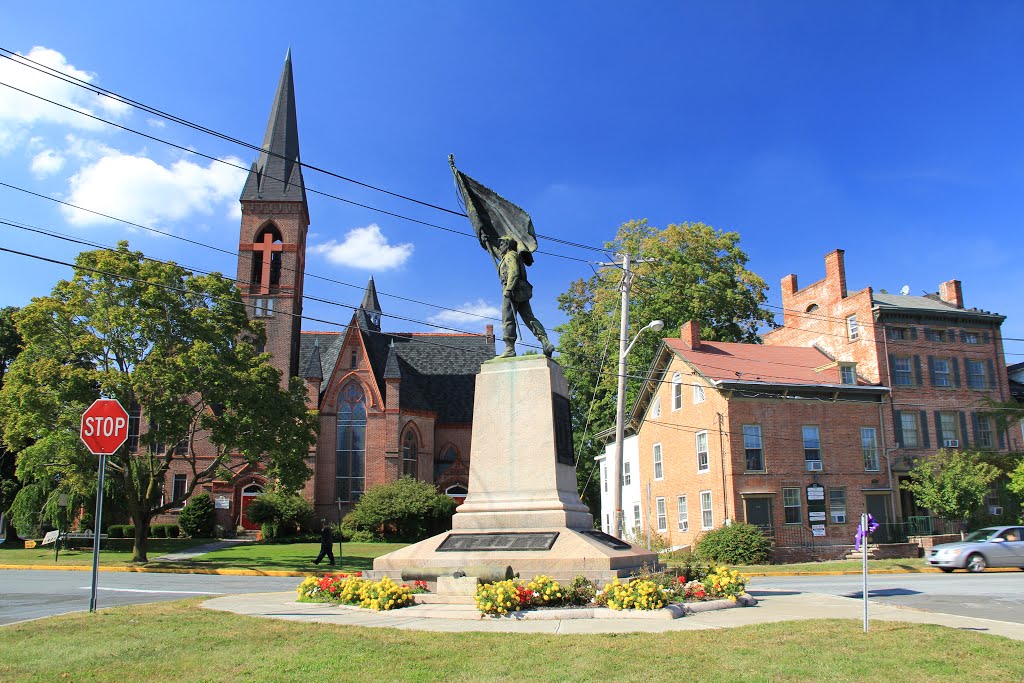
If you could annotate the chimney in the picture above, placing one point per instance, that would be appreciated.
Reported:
(835, 271)
(951, 293)
(489, 333)
(690, 334)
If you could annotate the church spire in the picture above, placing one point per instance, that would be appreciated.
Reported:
(369, 311)
(277, 174)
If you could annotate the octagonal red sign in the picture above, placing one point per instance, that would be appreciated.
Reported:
(104, 426)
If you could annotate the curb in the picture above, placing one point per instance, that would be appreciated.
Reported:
(923, 570)
(161, 570)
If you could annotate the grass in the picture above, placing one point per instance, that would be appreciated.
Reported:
(914, 564)
(255, 556)
(151, 643)
(115, 552)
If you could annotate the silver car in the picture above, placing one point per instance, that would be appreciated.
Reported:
(994, 546)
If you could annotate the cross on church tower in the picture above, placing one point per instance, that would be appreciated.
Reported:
(272, 239)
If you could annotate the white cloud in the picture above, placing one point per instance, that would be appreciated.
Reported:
(140, 190)
(18, 110)
(47, 163)
(469, 312)
(366, 248)
(156, 123)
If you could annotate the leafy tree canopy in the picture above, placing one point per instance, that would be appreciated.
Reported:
(696, 273)
(952, 484)
(178, 345)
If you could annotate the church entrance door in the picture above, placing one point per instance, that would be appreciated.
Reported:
(249, 494)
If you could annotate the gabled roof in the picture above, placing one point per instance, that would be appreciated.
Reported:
(313, 369)
(719, 361)
(277, 174)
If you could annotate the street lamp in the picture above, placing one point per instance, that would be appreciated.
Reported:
(620, 413)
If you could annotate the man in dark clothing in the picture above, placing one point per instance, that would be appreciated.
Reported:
(516, 293)
(326, 545)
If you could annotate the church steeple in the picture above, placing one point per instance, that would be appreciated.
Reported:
(277, 174)
(369, 311)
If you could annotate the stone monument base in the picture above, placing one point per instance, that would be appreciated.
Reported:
(572, 553)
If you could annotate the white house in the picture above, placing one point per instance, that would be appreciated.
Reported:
(632, 509)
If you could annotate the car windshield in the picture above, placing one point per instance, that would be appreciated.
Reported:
(980, 535)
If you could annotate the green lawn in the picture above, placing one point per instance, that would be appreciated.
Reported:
(115, 552)
(180, 641)
(289, 557)
(915, 563)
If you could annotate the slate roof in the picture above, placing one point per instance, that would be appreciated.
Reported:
(437, 371)
(931, 303)
(277, 174)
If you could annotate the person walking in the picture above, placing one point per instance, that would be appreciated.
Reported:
(326, 545)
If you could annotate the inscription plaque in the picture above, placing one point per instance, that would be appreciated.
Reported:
(563, 429)
(606, 539)
(498, 541)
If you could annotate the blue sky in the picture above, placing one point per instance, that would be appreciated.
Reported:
(890, 130)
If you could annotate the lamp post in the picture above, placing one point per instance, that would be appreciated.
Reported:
(620, 410)
(62, 507)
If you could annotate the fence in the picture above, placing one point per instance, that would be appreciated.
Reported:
(794, 536)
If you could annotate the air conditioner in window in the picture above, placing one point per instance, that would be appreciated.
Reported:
(839, 519)
(951, 443)
(995, 509)
(813, 465)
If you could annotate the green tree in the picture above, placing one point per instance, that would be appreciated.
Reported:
(178, 345)
(199, 518)
(10, 346)
(697, 273)
(952, 484)
(281, 514)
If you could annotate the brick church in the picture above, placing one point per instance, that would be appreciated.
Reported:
(390, 403)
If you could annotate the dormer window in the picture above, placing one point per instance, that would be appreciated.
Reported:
(847, 373)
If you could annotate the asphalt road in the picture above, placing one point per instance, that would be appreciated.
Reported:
(27, 594)
(987, 595)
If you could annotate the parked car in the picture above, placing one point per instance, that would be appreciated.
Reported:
(994, 546)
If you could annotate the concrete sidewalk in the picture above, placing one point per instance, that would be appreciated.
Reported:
(198, 550)
(773, 607)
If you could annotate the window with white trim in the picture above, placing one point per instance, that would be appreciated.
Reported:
(178, 487)
(626, 478)
(677, 391)
(656, 407)
(852, 328)
(791, 503)
(975, 374)
(983, 431)
(847, 373)
(940, 372)
(869, 446)
(812, 448)
(659, 471)
(702, 452)
(837, 505)
(604, 478)
(969, 337)
(662, 514)
(902, 371)
(682, 514)
(752, 448)
(908, 423)
(950, 430)
(636, 517)
(707, 516)
(698, 393)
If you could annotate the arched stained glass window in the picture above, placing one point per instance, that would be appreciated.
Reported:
(350, 476)
(410, 453)
(445, 460)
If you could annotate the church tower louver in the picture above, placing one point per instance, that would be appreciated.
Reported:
(272, 241)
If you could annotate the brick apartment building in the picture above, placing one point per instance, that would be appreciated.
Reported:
(390, 403)
(942, 360)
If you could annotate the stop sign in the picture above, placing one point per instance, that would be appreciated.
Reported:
(104, 426)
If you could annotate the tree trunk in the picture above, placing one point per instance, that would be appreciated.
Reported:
(141, 536)
(11, 539)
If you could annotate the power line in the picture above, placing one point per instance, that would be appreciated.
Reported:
(101, 91)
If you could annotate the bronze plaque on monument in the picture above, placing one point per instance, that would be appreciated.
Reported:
(563, 429)
(498, 541)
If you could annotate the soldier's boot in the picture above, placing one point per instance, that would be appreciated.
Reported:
(510, 349)
(548, 346)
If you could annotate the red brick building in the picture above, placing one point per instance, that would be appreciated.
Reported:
(769, 435)
(943, 361)
(390, 403)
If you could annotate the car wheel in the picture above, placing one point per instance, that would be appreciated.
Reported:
(947, 570)
(976, 563)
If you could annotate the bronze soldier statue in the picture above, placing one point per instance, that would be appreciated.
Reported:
(516, 292)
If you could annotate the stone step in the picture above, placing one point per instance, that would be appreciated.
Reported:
(435, 599)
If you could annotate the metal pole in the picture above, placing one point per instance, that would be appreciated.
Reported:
(96, 526)
(648, 525)
(620, 404)
(864, 556)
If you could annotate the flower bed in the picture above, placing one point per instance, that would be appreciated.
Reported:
(353, 589)
(648, 591)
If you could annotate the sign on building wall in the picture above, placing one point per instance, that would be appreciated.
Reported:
(816, 511)
(222, 503)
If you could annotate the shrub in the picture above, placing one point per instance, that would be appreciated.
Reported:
(689, 565)
(739, 543)
(725, 583)
(281, 514)
(405, 510)
(197, 518)
(158, 531)
(580, 592)
(173, 530)
(115, 531)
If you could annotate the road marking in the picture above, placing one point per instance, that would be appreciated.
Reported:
(143, 590)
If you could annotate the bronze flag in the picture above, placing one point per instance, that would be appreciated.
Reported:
(494, 217)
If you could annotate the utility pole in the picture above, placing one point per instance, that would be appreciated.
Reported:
(625, 286)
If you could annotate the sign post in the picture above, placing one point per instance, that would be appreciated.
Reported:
(864, 555)
(104, 430)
